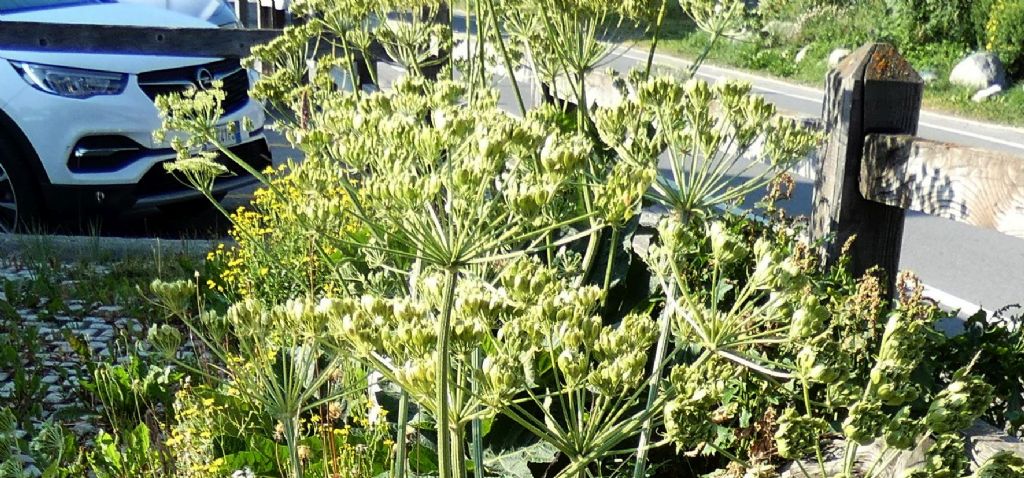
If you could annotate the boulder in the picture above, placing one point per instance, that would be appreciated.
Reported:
(837, 56)
(984, 441)
(928, 76)
(800, 55)
(987, 93)
(979, 70)
(893, 466)
(981, 440)
(782, 30)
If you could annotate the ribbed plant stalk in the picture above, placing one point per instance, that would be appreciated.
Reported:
(400, 439)
(715, 36)
(616, 233)
(291, 437)
(476, 428)
(505, 56)
(807, 410)
(654, 41)
(458, 451)
(664, 333)
(442, 375)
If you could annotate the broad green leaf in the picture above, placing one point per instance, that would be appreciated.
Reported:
(514, 463)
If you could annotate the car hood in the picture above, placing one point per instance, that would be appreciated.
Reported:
(120, 14)
(213, 11)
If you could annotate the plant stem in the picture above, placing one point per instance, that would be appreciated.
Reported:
(803, 470)
(665, 319)
(588, 257)
(504, 53)
(611, 262)
(400, 440)
(654, 41)
(458, 451)
(817, 442)
(715, 35)
(477, 429)
(850, 456)
(444, 438)
(291, 431)
(729, 455)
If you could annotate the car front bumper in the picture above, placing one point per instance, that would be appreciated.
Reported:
(157, 187)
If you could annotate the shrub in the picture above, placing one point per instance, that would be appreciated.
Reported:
(277, 254)
(775, 61)
(925, 21)
(980, 12)
(1005, 33)
(840, 25)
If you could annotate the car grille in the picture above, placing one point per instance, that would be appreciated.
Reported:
(177, 80)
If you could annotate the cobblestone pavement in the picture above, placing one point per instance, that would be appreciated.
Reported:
(44, 332)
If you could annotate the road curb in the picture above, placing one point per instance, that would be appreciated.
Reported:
(97, 248)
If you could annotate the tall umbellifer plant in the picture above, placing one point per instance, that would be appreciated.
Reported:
(471, 281)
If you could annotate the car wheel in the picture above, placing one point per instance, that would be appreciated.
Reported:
(18, 199)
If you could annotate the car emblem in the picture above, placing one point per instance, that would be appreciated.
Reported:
(204, 78)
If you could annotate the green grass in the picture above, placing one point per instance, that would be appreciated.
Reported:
(682, 40)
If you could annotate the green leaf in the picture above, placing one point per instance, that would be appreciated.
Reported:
(515, 462)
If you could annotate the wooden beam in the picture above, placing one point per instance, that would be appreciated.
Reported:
(975, 186)
(874, 90)
(192, 42)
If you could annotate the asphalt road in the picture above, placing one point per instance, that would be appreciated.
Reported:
(962, 265)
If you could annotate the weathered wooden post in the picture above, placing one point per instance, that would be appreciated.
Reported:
(269, 16)
(874, 90)
(242, 12)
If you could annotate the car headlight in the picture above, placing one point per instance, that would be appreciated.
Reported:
(71, 82)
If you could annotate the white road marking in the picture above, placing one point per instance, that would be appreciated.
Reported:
(950, 301)
(965, 308)
(634, 55)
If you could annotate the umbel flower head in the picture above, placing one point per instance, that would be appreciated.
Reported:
(957, 406)
(200, 170)
(797, 434)
(707, 132)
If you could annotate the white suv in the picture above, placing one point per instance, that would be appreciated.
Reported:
(76, 129)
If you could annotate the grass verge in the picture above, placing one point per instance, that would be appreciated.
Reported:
(680, 38)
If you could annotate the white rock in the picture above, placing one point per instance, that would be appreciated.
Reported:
(782, 29)
(984, 440)
(987, 93)
(979, 70)
(837, 56)
(928, 76)
(867, 455)
(800, 55)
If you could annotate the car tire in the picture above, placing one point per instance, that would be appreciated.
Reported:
(19, 198)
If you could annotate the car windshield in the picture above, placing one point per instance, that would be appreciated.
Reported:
(9, 6)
